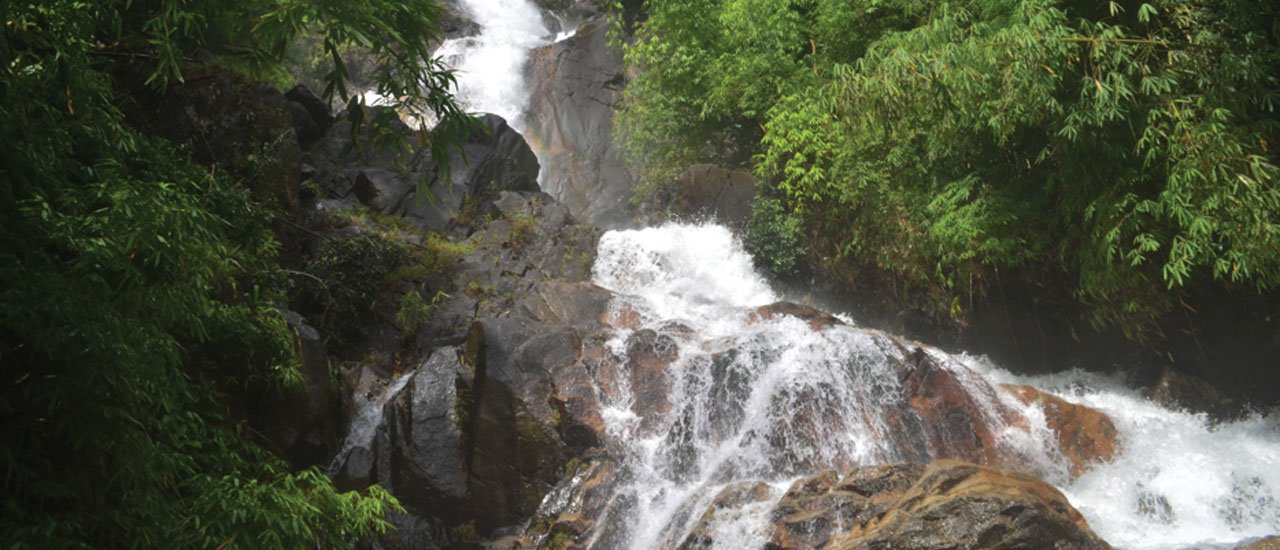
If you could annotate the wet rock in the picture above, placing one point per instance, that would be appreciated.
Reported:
(575, 510)
(731, 498)
(1176, 390)
(959, 505)
(1264, 543)
(574, 86)
(1085, 436)
(817, 508)
(816, 318)
(649, 354)
(949, 418)
(421, 445)
(709, 190)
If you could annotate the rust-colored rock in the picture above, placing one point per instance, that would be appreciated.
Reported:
(952, 423)
(649, 355)
(959, 505)
(1265, 543)
(1085, 436)
(816, 318)
(817, 508)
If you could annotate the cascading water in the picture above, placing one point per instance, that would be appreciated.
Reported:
(490, 66)
(772, 399)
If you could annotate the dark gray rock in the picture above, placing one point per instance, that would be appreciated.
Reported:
(1176, 390)
(707, 190)
(575, 85)
(492, 159)
(420, 446)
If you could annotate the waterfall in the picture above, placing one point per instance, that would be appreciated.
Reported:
(771, 400)
(490, 66)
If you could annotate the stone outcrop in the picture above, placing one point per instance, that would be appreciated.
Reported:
(1179, 391)
(816, 318)
(959, 505)
(707, 190)
(493, 158)
(1085, 436)
(574, 87)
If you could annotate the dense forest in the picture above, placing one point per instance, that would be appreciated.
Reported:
(1125, 149)
(141, 291)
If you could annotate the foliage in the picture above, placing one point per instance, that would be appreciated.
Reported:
(348, 274)
(415, 310)
(1128, 146)
(773, 237)
(138, 292)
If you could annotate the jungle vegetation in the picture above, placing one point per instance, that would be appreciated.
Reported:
(140, 296)
(1126, 148)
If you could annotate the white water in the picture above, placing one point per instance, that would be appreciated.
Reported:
(1181, 480)
(775, 400)
(364, 424)
(490, 66)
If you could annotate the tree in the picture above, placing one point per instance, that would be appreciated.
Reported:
(122, 261)
(1128, 146)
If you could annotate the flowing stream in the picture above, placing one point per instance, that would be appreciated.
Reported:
(773, 400)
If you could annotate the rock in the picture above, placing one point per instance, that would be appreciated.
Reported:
(948, 419)
(817, 508)
(311, 117)
(1085, 436)
(572, 512)
(494, 158)
(733, 497)
(421, 446)
(649, 354)
(564, 303)
(409, 532)
(516, 448)
(303, 424)
(816, 318)
(243, 127)
(959, 505)
(1179, 391)
(709, 190)
(1265, 543)
(574, 86)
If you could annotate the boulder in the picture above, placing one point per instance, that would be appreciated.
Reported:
(816, 318)
(1085, 436)
(421, 446)
(311, 116)
(947, 417)
(817, 508)
(707, 190)
(575, 85)
(243, 127)
(1265, 543)
(960, 505)
(491, 159)
(1179, 391)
